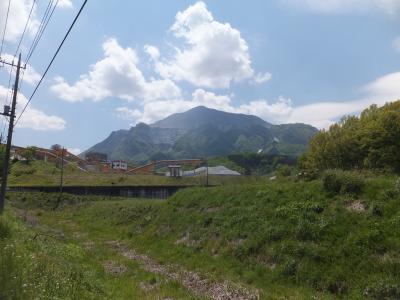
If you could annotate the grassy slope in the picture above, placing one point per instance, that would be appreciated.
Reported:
(287, 239)
(41, 173)
(40, 262)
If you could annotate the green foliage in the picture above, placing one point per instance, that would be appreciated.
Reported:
(284, 232)
(33, 268)
(48, 174)
(5, 230)
(217, 141)
(371, 141)
(383, 290)
(284, 170)
(343, 182)
(203, 132)
(225, 161)
(56, 147)
(39, 262)
(30, 171)
(29, 153)
(260, 164)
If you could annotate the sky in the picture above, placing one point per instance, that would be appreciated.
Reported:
(125, 62)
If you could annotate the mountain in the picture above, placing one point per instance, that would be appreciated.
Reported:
(201, 116)
(204, 132)
(139, 143)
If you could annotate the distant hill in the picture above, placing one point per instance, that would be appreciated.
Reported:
(201, 116)
(204, 132)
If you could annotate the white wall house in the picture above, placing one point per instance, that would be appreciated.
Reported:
(119, 165)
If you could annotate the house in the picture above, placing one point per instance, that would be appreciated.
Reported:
(119, 165)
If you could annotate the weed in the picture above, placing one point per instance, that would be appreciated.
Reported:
(342, 182)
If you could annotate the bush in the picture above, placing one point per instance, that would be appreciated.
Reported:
(284, 171)
(18, 173)
(383, 290)
(5, 231)
(342, 182)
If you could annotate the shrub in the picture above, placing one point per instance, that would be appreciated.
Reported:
(5, 230)
(383, 290)
(283, 171)
(342, 182)
(18, 173)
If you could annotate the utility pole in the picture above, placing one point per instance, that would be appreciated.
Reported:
(206, 173)
(62, 171)
(61, 180)
(9, 137)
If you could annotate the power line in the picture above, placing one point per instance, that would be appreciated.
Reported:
(45, 20)
(5, 120)
(52, 60)
(5, 28)
(26, 26)
(42, 27)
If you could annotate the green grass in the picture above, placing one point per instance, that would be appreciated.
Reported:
(46, 263)
(288, 239)
(38, 173)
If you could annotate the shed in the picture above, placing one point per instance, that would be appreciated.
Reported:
(174, 170)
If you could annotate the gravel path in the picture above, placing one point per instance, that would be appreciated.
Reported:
(191, 280)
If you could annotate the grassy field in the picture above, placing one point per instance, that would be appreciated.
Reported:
(281, 240)
(42, 262)
(40, 173)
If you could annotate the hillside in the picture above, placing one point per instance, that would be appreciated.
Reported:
(39, 173)
(201, 116)
(280, 240)
(204, 132)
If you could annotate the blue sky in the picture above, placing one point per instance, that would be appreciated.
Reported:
(309, 61)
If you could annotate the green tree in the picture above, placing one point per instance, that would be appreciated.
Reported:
(29, 153)
(371, 141)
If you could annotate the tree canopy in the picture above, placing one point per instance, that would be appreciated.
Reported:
(370, 141)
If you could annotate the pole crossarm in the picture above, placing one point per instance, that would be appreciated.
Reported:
(12, 64)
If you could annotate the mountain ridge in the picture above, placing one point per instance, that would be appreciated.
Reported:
(201, 115)
(203, 132)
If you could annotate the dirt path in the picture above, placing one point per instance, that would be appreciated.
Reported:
(190, 280)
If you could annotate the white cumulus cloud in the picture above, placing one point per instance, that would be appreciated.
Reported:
(32, 118)
(152, 51)
(75, 151)
(18, 14)
(65, 3)
(116, 75)
(320, 114)
(261, 78)
(30, 74)
(156, 110)
(214, 54)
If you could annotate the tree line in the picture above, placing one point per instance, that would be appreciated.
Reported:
(370, 141)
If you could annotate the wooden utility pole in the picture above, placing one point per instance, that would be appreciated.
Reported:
(6, 162)
(62, 171)
(206, 173)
